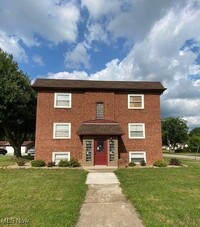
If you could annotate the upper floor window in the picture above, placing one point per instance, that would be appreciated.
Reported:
(99, 110)
(136, 130)
(136, 101)
(62, 100)
(62, 130)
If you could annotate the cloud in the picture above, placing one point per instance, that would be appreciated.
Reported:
(66, 75)
(102, 7)
(38, 60)
(51, 20)
(163, 53)
(10, 44)
(77, 57)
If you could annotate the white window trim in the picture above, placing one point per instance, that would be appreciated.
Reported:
(138, 152)
(60, 153)
(129, 131)
(70, 100)
(54, 127)
(142, 107)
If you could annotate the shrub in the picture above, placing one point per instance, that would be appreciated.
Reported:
(71, 163)
(143, 163)
(50, 164)
(20, 162)
(132, 164)
(74, 163)
(160, 163)
(63, 163)
(38, 163)
(175, 162)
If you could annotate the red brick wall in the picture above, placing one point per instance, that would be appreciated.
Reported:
(150, 115)
(83, 109)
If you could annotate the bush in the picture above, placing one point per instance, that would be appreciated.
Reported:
(28, 157)
(71, 163)
(160, 163)
(132, 164)
(38, 163)
(74, 163)
(63, 163)
(143, 163)
(20, 162)
(175, 162)
(50, 164)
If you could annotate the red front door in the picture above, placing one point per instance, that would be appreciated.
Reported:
(100, 152)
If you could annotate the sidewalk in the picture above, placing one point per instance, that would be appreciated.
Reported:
(105, 205)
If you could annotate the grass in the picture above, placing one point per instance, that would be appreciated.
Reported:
(6, 160)
(164, 196)
(41, 197)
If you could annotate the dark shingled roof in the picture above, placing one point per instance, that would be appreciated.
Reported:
(58, 84)
(99, 127)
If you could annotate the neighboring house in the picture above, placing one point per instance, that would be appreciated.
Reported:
(98, 122)
(25, 146)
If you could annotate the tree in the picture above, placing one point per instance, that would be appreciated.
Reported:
(195, 131)
(194, 140)
(194, 143)
(17, 103)
(174, 130)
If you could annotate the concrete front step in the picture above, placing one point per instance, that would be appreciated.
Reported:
(100, 168)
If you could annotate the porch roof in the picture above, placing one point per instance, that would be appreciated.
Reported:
(100, 127)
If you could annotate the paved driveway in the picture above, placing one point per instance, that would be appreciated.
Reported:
(182, 156)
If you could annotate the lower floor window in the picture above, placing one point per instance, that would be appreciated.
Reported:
(58, 156)
(112, 150)
(137, 156)
(88, 151)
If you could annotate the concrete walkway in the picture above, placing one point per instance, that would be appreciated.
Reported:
(105, 205)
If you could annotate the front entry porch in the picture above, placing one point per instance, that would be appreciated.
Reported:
(100, 151)
(100, 142)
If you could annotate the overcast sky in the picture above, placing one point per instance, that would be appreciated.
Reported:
(151, 40)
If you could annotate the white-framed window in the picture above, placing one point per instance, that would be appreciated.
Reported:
(136, 130)
(135, 101)
(137, 156)
(61, 130)
(62, 100)
(57, 156)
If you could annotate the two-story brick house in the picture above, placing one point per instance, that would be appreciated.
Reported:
(98, 122)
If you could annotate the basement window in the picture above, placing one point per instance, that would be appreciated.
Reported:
(58, 156)
(137, 156)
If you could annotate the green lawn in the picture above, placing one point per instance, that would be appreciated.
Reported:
(164, 196)
(43, 197)
(6, 160)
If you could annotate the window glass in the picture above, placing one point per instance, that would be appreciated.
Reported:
(62, 100)
(88, 151)
(137, 157)
(100, 146)
(99, 110)
(136, 131)
(62, 130)
(135, 101)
